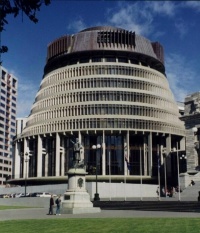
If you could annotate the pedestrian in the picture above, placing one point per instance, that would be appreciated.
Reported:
(51, 204)
(157, 191)
(192, 183)
(58, 203)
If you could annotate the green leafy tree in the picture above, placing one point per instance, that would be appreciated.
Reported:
(14, 7)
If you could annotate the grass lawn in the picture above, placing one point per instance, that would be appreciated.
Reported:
(109, 225)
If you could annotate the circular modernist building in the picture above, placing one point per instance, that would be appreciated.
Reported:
(105, 86)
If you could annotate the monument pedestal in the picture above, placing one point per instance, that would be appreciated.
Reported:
(76, 198)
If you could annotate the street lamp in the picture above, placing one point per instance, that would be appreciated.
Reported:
(177, 158)
(183, 164)
(195, 129)
(164, 152)
(26, 158)
(158, 157)
(96, 195)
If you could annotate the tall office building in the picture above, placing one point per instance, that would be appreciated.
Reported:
(8, 95)
(107, 86)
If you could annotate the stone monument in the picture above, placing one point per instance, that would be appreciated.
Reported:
(76, 198)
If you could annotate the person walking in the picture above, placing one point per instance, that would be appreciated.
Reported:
(58, 203)
(51, 204)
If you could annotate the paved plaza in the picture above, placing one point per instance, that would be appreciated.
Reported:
(41, 213)
(40, 209)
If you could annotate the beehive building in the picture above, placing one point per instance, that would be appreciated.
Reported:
(107, 86)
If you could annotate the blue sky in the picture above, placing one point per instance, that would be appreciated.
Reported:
(175, 24)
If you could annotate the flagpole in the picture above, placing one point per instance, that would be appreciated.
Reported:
(158, 171)
(140, 174)
(126, 161)
(125, 187)
(109, 174)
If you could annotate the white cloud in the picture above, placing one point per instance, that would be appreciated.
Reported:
(162, 7)
(181, 27)
(142, 17)
(76, 26)
(180, 76)
(26, 94)
(193, 4)
(131, 17)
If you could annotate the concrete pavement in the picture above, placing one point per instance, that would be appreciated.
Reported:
(41, 213)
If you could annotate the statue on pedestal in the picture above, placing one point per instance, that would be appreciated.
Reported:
(77, 154)
(76, 198)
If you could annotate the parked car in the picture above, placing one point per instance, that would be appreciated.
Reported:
(27, 195)
(18, 194)
(45, 194)
(33, 194)
(12, 195)
(4, 195)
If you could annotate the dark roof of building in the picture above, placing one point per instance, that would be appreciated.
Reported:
(106, 39)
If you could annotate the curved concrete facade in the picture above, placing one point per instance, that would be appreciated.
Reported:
(105, 86)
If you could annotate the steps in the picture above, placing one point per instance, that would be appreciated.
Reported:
(191, 193)
(173, 206)
(188, 202)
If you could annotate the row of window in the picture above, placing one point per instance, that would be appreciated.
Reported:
(94, 96)
(7, 96)
(7, 109)
(8, 88)
(8, 78)
(104, 82)
(104, 110)
(7, 122)
(104, 70)
(5, 169)
(5, 161)
(77, 124)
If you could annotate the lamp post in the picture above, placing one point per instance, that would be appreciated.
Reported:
(96, 195)
(158, 157)
(177, 158)
(26, 158)
(183, 158)
(140, 174)
(165, 171)
(164, 152)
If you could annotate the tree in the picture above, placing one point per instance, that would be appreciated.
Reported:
(14, 7)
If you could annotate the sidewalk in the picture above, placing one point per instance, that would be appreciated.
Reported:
(41, 213)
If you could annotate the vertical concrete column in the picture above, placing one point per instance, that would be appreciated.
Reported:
(57, 154)
(145, 153)
(39, 156)
(182, 143)
(168, 149)
(26, 160)
(62, 156)
(150, 153)
(126, 153)
(17, 160)
(168, 143)
(82, 149)
(162, 157)
(62, 163)
(103, 155)
(46, 159)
